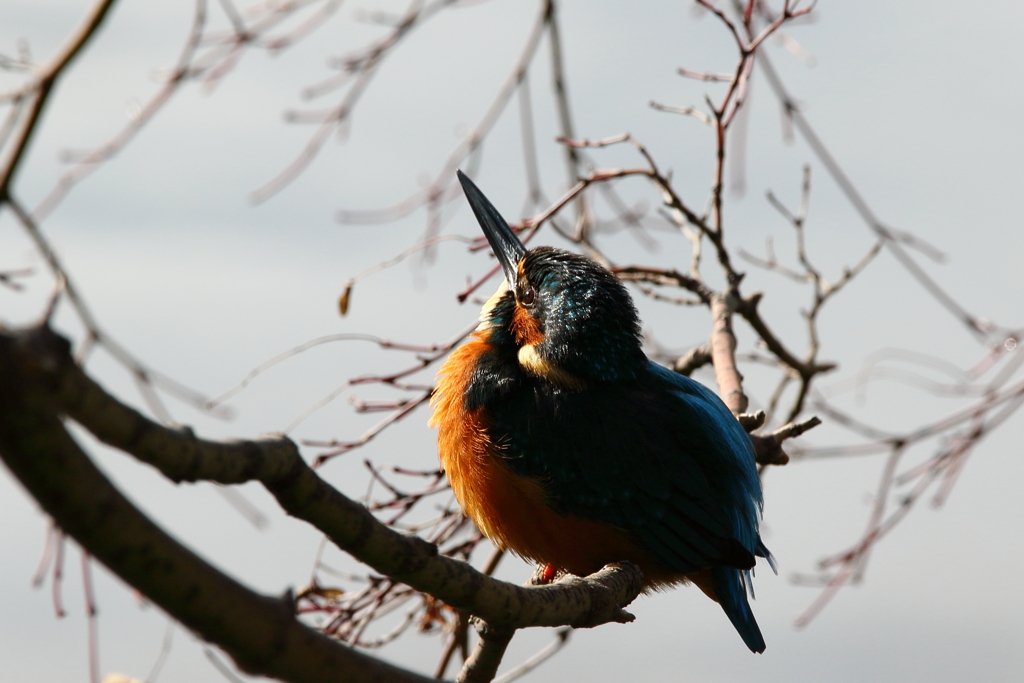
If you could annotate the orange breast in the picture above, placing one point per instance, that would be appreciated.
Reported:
(509, 509)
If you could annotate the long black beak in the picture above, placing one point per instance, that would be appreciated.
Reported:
(503, 241)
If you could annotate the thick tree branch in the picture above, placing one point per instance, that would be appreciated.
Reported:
(482, 665)
(723, 353)
(37, 363)
(260, 633)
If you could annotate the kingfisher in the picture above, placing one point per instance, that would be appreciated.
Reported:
(565, 444)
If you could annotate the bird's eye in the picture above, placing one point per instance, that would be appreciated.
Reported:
(528, 297)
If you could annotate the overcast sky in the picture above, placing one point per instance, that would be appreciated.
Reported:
(921, 103)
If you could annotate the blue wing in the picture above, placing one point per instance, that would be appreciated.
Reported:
(731, 584)
(730, 456)
(660, 456)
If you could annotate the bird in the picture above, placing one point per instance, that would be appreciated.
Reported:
(567, 445)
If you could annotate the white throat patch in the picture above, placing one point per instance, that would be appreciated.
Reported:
(531, 361)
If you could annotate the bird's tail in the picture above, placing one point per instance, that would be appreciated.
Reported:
(731, 591)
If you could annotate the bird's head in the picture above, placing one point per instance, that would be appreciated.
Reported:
(568, 319)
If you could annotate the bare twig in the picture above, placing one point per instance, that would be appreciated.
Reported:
(980, 329)
(36, 94)
(549, 651)
(9, 278)
(364, 67)
(442, 189)
(769, 447)
(692, 360)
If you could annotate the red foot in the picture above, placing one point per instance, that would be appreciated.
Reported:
(548, 573)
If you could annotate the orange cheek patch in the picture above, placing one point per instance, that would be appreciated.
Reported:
(525, 327)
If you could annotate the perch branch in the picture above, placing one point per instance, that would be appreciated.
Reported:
(36, 363)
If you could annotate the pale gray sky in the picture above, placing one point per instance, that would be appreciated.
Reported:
(921, 102)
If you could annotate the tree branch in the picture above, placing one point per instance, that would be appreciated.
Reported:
(768, 447)
(692, 360)
(747, 307)
(490, 648)
(43, 86)
(260, 633)
(39, 380)
(723, 353)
